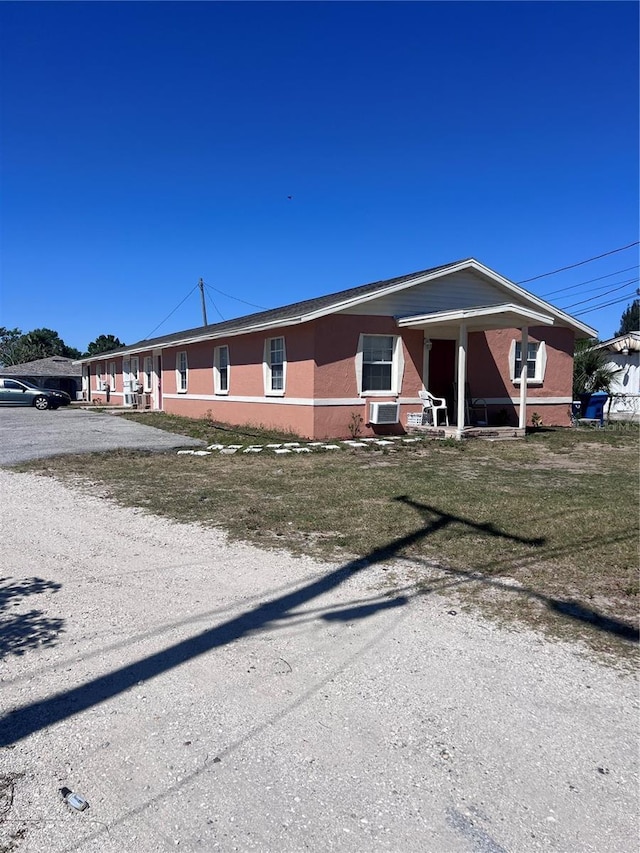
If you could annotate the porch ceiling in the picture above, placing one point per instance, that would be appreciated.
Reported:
(505, 316)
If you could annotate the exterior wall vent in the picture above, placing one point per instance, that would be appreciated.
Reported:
(384, 413)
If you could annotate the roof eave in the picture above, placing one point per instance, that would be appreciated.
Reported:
(460, 315)
(567, 319)
(149, 346)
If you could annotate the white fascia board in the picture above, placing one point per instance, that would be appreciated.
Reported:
(459, 315)
(215, 336)
(535, 300)
(246, 330)
(109, 356)
(195, 339)
(633, 336)
(441, 273)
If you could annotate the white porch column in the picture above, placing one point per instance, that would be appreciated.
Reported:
(524, 352)
(425, 362)
(462, 378)
(157, 379)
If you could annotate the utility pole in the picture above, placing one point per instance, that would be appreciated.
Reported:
(204, 307)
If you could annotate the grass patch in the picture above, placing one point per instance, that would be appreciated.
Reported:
(543, 530)
(213, 432)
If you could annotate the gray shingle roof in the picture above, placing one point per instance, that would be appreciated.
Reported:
(55, 365)
(282, 314)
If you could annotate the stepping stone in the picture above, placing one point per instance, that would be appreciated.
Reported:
(252, 450)
(382, 442)
(411, 440)
(201, 453)
(229, 450)
(215, 447)
(301, 450)
(291, 444)
(282, 450)
(355, 444)
(234, 446)
(315, 444)
(272, 446)
(186, 452)
(330, 447)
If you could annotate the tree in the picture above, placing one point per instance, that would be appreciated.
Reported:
(591, 372)
(17, 348)
(43, 343)
(104, 343)
(9, 339)
(630, 320)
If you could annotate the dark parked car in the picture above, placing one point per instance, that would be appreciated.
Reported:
(17, 392)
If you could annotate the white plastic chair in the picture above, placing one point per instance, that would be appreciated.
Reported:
(432, 405)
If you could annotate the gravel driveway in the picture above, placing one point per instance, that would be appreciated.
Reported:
(207, 696)
(27, 434)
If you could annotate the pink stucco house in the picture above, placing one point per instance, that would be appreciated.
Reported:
(313, 366)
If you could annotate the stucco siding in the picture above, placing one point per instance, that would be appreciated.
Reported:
(489, 373)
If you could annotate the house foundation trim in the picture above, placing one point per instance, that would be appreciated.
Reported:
(292, 401)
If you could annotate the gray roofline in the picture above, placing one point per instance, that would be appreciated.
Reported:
(308, 309)
(282, 315)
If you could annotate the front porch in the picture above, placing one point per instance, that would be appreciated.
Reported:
(491, 433)
(472, 416)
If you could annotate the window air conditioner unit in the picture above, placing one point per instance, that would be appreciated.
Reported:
(384, 413)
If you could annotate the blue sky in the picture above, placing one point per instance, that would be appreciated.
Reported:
(146, 145)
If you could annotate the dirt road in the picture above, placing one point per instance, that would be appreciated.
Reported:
(206, 696)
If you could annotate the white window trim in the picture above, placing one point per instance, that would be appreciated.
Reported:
(216, 370)
(397, 367)
(147, 375)
(541, 363)
(266, 367)
(179, 388)
(101, 385)
(112, 375)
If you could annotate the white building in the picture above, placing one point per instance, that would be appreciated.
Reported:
(623, 355)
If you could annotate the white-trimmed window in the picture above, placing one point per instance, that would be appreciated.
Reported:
(148, 370)
(379, 365)
(536, 361)
(221, 370)
(135, 371)
(112, 375)
(275, 366)
(101, 385)
(181, 372)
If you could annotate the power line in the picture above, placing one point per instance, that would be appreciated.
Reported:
(580, 263)
(588, 281)
(606, 304)
(146, 338)
(523, 281)
(222, 293)
(215, 307)
(600, 295)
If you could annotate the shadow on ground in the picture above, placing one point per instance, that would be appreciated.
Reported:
(569, 608)
(20, 631)
(38, 715)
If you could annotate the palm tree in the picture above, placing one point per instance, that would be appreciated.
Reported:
(591, 372)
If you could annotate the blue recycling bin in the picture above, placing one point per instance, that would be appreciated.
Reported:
(593, 406)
